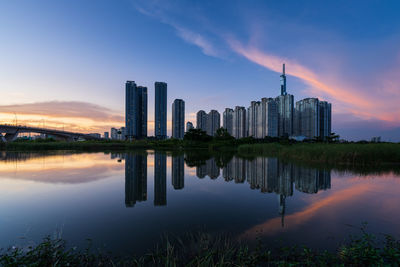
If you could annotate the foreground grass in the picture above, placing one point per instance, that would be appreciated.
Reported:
(332, 154)
(204, 250)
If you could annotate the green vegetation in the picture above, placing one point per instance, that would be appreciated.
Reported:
(200, 249)
(331, 153)
(348, 154)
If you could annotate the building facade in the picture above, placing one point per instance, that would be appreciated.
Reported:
(213, 122)
(135, 111)
(285, 104)
(307, 118)
(178, 119)
(227, 120)
(239, 122)
(201, 120)
(325, 119)
(269, 117)
(189, 125)
(160, 115)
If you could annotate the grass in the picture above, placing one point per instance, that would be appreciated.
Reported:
(332, 154)
(201, 249)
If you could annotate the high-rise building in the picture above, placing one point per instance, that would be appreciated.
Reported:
(307, 118)
(160, 179)
(252, 116)
(239, 122)
(114, 134)
(213, 122)
(285, 109)
(178, 172)
(201, 120)
(269, 117)
(160, 115)
(325, 116)
(189, 125)
(178, 119)
(106, 135)
(285, 105)
(135, 111)
(227, 120)
(283, 81)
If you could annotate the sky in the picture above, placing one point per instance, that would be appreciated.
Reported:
(63, 64)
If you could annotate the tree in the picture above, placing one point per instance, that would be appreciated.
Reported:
(222, 134)
(197, 135)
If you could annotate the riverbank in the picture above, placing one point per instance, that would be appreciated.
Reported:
(350, 154)
(332, 154)
(202, 249)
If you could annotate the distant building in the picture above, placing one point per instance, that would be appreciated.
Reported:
(285, 109)
(135, 111)
(312, 118)
(97, 135)
(307, 118)
(376, 139)
(239, 122)
(106, 135)
(189, 125)
(325, 119)
(160, 115)
(269, 117)
(254, 118)
(114, 134)
(178, 119)
(213, 122)
(201, 120)
(227, 120)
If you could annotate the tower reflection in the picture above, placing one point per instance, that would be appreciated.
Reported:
(178, 172)
(160, 179)
(135, 179)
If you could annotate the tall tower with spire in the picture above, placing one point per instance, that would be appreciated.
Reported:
(283, 81)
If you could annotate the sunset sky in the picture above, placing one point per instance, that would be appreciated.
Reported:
(64, 63)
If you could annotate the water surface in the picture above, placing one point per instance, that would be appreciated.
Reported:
(125, 202)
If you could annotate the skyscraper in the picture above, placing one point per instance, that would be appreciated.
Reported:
(227, 120)
(189, 125)
(253, 114)
(325, 116)
(283, 81)
(285, 109)
(135, 111)
(178, 119)
(160, 115)
(307, 118)
(213, 122)
(201, 120)
(269, 117)
(239, 122)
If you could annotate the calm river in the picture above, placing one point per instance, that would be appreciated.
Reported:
(125, 202)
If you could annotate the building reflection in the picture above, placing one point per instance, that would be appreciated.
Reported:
(269, 175)
(209, 169)
(160, 179)
(135, 178)
(178, 172)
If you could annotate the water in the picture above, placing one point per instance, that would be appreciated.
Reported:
(125, 202)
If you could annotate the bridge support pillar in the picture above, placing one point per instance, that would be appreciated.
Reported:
(8, 137)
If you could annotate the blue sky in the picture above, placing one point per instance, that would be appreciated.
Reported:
(212, 54)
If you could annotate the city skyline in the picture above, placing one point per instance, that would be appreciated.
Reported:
(73, 65)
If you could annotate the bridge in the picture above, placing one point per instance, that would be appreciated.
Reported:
(9, 133)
